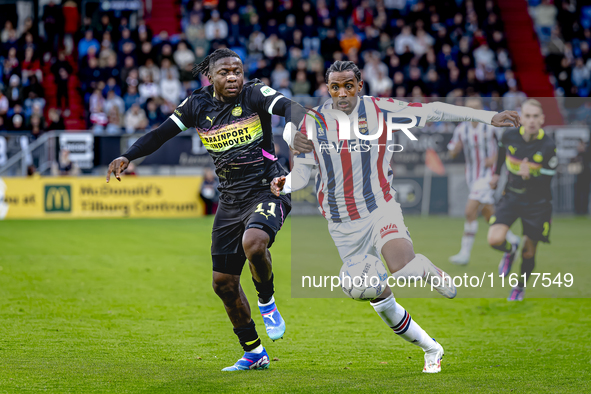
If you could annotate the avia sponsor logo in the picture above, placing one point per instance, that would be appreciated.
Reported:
(389, 229)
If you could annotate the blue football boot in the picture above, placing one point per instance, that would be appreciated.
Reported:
(250, 361)
(274, 323)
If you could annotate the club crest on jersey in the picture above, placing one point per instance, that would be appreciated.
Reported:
(538, 157)
(363, 127)
(237, 111)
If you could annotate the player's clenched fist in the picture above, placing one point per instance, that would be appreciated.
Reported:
(116, 167)
(277, 185)
(301, 144)
(494, 181)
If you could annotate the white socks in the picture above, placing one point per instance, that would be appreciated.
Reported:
(399, 320)
(416, 267)
(470, 230)
(257, 350)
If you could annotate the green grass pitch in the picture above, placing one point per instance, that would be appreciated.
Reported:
(126, 306)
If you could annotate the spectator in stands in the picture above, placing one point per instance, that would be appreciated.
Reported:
(61, 70)
(279, 74)
(171, 89)
(65, 166)
(513, 98)
(216, 28)
(151, 70)
(56, 122)
(115, 120)
(167, 66)
(301, 86)
(544, 16)
(135, 119)
(98, 118)
(154, 114)
(113, 100)
(36, 125)
(148, 89)
(274, 47)
(183, 56)
(87, 42)
(14, 91)
(11, 64)
(581, 78)
(17, 121)
(53, 23)
(194, 29)
(31, 66)
(131, 96)
(350, 40)
(72, 20)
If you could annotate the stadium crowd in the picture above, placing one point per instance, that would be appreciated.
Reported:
(564, 31)
(131, 79)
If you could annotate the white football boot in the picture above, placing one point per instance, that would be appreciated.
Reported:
(460, 258)
(433, 359)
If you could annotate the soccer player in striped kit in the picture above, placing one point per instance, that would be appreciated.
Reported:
(479, 143)
(354, 187)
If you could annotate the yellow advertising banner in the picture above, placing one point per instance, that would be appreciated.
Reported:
(92, 197)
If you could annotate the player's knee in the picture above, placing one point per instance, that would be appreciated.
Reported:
(255, 245)
(471, 215)
(495, 238)
(225, 288)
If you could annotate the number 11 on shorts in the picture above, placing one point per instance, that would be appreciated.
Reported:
(269, 212)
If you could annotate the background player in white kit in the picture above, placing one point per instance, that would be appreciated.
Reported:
(480, 146)
(354, 190)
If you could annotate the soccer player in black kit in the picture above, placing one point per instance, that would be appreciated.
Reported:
(530, 156)
(233, 120)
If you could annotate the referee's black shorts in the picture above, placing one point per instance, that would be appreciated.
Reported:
(264, 211)
(536, 217)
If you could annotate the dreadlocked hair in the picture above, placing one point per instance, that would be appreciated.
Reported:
(343, 65)
(209, 61)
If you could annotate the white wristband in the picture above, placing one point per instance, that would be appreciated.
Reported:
(289, 133)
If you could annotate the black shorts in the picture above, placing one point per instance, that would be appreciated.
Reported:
(536, 217)
(265, 211)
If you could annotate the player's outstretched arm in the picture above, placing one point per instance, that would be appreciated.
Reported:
(147, 144)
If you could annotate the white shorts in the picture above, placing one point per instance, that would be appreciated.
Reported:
(480, 191)
(369, 234)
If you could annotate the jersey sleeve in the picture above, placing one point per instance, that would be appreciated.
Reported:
(455, 138)
(306, 128)
(184, 114)
(265, 98)
(550, 161)
(435, 112)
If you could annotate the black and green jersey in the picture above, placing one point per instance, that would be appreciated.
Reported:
(238, 135)
(540, 152)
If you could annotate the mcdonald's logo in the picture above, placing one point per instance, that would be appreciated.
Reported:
(58, 198)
